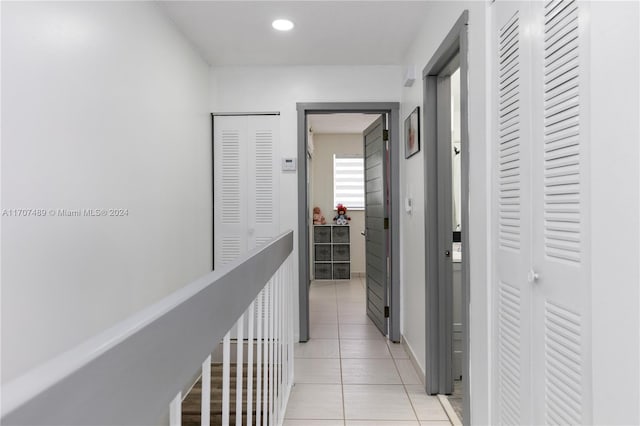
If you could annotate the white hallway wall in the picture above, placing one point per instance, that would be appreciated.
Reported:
(615, 203)
(436, 27)
(256, 89)
(104, 105)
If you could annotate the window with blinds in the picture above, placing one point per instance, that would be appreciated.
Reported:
(348, 182)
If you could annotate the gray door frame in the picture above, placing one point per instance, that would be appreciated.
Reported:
(454, 44)
(392, 110)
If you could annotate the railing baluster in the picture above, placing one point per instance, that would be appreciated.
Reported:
(239, 362)
(282, 358)
(290, 348)
(281, 347)
(260, 300)
(271, 352)
(265, 360)
(226, 372)
(291, 334)
(250, 376)
(283, 318)
(274, 359)
(286, 324)
(275, 348)
(205, 401)
(175, 410)
(285, 339)
(278, 347)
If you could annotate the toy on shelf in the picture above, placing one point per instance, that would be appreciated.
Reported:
(341, 218)
(318, 219)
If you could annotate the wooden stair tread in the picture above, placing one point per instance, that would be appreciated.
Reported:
(191, 405)
(191, 420)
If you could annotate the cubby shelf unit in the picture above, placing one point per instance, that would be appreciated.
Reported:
(331, 252)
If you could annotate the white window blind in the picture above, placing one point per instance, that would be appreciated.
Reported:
(348, 182)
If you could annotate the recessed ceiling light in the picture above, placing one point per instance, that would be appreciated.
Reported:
(282, 24)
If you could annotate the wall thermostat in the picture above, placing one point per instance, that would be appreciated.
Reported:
(288, 164)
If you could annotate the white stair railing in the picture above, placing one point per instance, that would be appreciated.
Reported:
(275, 336)
(135, 373)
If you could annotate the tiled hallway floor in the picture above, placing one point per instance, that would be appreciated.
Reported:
(348, 374)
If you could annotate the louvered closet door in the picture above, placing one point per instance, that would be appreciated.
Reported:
(246, 203)
(512, 195)
(561, 294)
(263, 132)
(229, 188)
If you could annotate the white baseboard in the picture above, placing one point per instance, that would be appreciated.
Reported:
(414, 360)
(444, 401)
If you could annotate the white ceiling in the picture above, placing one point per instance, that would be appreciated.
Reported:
(340, 123)
(326, 32)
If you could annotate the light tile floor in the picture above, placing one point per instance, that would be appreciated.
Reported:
(348, 374)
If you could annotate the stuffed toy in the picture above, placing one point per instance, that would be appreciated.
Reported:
(318, 219)
(341, 218)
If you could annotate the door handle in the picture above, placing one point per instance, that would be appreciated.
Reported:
(447, 253)
(532, 276)
(363, 233)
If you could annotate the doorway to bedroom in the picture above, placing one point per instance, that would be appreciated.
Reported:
(337, 235)
(346, 177)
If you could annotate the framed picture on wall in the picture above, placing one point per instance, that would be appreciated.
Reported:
(412, 133)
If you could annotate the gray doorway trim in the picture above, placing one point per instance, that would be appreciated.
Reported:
(392, 109)
(455, 43)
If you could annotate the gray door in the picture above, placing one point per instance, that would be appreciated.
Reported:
(445, 231)
(376, 184)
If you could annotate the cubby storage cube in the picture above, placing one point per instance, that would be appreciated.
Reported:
(341, 271)
(322, 234)
(341, 252)
(322, 271)
(340, 234)
(322, 253)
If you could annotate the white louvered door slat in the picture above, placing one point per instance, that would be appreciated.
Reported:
(512, 250)
(561, 296)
